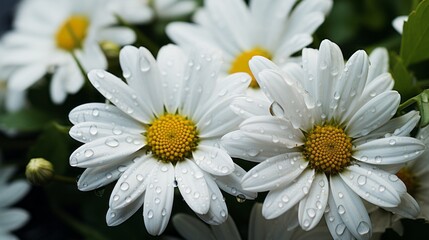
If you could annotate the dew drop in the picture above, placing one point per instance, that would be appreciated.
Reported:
(73, 162)
(306, 223)
(341, 209)
(340, 229)
(196, 195)
(393, 177)
(125, 186)
(311, 212)
(363, 228)
(112, 142)
(108, 175)
(150, 214)
(88, 153)
(241, 198)
(164, 168)
(378, 159)
(164, 212)
(276, 110)
(381, 188)
(157, 200)
(117, 131)
(100, 74)
(392, 142)
(116, 198)
(112, 215)
(361, 180)
(285, 198)
(340, 195)
(139, 177)
(253, 152)
(144, 64)
(93, 130)
(223, 213)
(158, 190)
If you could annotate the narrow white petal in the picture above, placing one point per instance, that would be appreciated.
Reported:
(351, 209)
(275, 171)
(213, 160)
(193, 186)
(115, 217)
(283, 198)
(365, 182)
(380, 84)
(90, 131)
(235, 83)
(26, 76)
(159, 197)
(218, 212)
(12, 219)
(240, 145)
(398, 23)
(257, 64)
(309, 64)
(118, 35)
(102, 113)
(227, 231)
(335, 223)
(373, 114)
(312, 206)
(133, 182)
(246, 107)
(291, 45)
(13, 192)
(141, 71)
(105, 150)
(389, 150)
(408, 208)
(277, 131)
(93, 178)
(191, 228)
(379, 59)
(6, 172)
(232, 184)
(122, 95)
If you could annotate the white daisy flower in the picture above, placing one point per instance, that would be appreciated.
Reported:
(273, 29)
(284, 227)
(162, 133)
(143, 11)
(327, 141)
(10, 193)
(398, 23)
(47, 31)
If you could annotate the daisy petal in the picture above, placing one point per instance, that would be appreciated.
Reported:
(400, 126)
(275, 171)
(118, 92)
(258, 64)
(191, 228)
(218, 212)
(232, 184)
(159, 198)
(12, 219)
(193, 186)
(90, 131)
(389, 150)
(372, 187)
(93, 178)
(312, 206)
(246, 107)
(105, 150)
(132, 183)
(141, 71)
(118, 35)
(283, 198)
(276, 131)
(351, 209)
(379, 59)
(310, 57)
(102, 113)
(335, 223)
(373, 114)
(235, 83)
(6, 172)
(25, 77)
(291, 45)
(115, 217)
(408, 208)
(240, 145)
(226, 231)
(13, 192)
(383, 83)
(213, 160)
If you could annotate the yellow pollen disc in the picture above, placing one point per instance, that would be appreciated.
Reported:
(172, 138)
(409, 180)
(72, 32)
(328, 149)
(241, 63)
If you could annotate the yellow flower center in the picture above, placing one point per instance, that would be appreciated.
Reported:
(328, 149)
(72, 32)
(241, 63)
(409, 180)
(172, 138)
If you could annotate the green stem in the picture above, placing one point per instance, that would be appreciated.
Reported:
(83, 229)
(64, 179)
(407, 103)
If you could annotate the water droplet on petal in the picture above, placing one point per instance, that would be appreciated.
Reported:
(164, 212)
(116, 198)
(241, 198)
(363, 228)
(73, 162)
(150, 214)
(277, 110)
(125, 186)
(158, 189)
(112, 142)
(381, 188)
(144, 64)
(340, 229)
(378, 159)
(341, 209)
(108, 175)
(88, 153)
(311, 212)
(100, 74)
(361, 180)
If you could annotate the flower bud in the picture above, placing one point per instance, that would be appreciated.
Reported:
(39, 171)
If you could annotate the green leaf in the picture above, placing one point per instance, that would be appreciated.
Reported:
(404, 80)
(415, 37)
(423, 105)
(24, 120)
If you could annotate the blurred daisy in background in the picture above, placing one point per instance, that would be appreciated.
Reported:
(11, 218)
(162, 132)
(398, 23)
(284, 227)
(327, 141)
(273, 29)
(46, 32)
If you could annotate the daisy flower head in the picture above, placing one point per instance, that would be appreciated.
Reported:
(46, 32)
(273, 29)
(162, 132)
(11, 192)
(327, 142)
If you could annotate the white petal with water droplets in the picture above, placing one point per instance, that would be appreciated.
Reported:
(90, 131)
(312, 206)
(218, 212)
(350, 208)
(213, 160)
(335, 223)
(258, 64)
(193, 186)
(283, 198)
(132, 183)
(159, 198)
(408, 208)
(390, 150)
(273, 130)
(380, 84)
(232, 183)
(115, 217)
(246, 107)
(374, 185)
(104, 151)
(275, 171)
(120, 94)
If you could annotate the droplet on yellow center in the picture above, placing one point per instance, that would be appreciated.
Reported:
(409, 180)
(241, 63)
(172, 138)
(328, 149)
(72, 32)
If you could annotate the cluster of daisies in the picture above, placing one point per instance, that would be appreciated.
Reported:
(321, 131)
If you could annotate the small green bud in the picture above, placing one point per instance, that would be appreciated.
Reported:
(39, 171)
